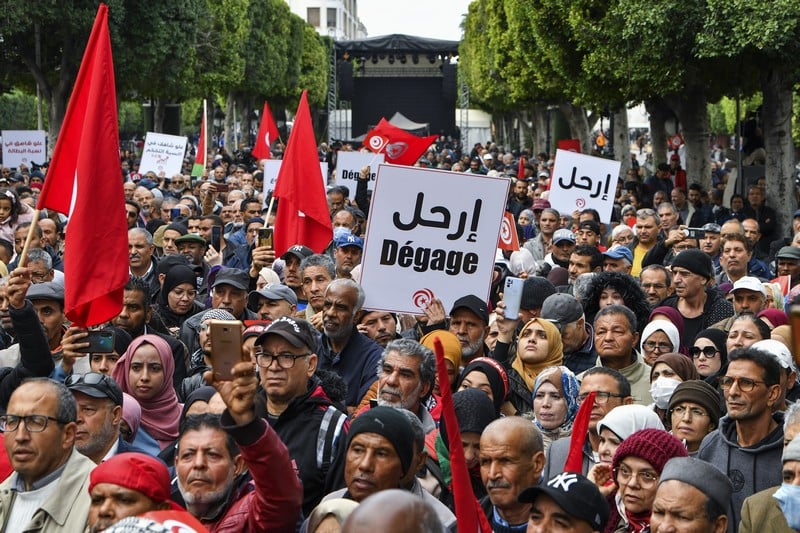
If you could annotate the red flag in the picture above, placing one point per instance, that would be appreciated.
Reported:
(303, 216)
(469, 515)
(267, 133)
(571, 145)
(399, 146)
(200, 157)
(509, 240)
(521, 167)
(84, 181)
(580, 427)
(785, 282)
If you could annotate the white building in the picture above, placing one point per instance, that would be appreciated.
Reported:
(334, 18)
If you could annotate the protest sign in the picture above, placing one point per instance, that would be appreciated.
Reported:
(583, 181)
(162, 154)
(23, 147)
(431, 234)
(349, 165)
(273, 166)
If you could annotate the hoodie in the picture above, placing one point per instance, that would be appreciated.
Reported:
(751, 469)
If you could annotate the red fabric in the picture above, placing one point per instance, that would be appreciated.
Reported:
(200, 156)
(469, 515)
(84, 171)
(398, 146)
(5, 463)
(580, 428)
(509, 240)
(135, 471)
(785, 282)
(267, 133)
(571, 145)
(521, 168)
(303, 215)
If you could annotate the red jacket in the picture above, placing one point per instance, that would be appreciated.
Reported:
(272, 501)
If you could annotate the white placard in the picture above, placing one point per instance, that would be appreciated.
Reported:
(349, 165)
(273, 166)
(162, 154)
(24, 147)
(582, 182)
(431, 234)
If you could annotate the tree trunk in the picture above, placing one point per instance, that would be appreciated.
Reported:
(777, 116)
(691, 108)
(659, 113)
(579, 126)
(539, 141)
(158, 115)
(230, 145)
(621, 141)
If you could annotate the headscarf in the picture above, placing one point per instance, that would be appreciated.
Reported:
(681, 364)
(626, 420)
(776, 317)
(661, 325)
(339, 508)
(674, 316)
(498, 379)
(450, 344)
(567, 385)
(783, 334)
(719, 338)
(176, 275)
(161, 414)
(202, 394)
(555, 352)
(131, 413)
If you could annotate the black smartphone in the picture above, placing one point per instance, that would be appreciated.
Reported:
(264, 237)
(221, 187)
(99, 342)
(216, 237)
(695, 233)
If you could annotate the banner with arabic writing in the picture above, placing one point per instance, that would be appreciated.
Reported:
(23, 147)
(582, 182)
(430, 234)
(348, 168)
(162, 154)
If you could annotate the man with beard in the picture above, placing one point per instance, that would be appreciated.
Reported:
(647, 224)
(145, 198)
(347, 254)
(99, 401)
(548, 224)
(519, 198)
(343, 350)
(380, 326)
(291, 272)
(406, 374)
(711, 243)
(469, 321)
(561, 249)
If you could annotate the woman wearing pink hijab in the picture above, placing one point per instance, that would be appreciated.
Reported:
(145, 372)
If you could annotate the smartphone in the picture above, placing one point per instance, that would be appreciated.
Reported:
(99, 342)
(695, 233)
(226, 347)
(512, 296)
(174, 213)
(221, 187)
(216, 237)
(265, 237)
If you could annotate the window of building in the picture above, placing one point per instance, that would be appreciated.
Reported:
(331, 17)
(312, 15)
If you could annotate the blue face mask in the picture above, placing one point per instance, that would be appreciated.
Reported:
(340, 231)
(788, 497)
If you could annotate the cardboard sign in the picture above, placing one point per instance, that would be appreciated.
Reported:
(348, 168)
(273, 166)
(162, 154)
(431, 234)
(24, 147)
(583, 181)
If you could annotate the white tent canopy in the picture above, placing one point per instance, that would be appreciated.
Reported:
(405, 123)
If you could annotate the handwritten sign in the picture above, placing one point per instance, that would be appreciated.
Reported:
(23, 147)
(273, 166)
(348, 168)
(582, 182)
(162, 154)
(431, 234)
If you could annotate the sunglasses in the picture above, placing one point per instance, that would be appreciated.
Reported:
(709, 351)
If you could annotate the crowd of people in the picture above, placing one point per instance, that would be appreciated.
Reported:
(648, 382)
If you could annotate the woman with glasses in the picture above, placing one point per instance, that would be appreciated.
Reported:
(555, 403)
(636, 467)
(176, 300)
(659, 337)
(710, 354)
(669, 370)
(145, 372)
(694, 412)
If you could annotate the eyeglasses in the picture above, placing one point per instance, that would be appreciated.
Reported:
(646, 479)
(285, 360)
(652, 346)
(709, 352)
(601, 398)
(744, 384)
(33, 423)
(681, 410)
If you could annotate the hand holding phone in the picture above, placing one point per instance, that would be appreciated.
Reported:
(512, 296)
(265, 237)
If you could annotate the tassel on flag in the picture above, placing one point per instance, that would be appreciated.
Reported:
(267, 133)
(84, 182)
(200, 158)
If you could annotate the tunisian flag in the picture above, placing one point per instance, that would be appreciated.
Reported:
(399, 146)
(303, 216)
(202, 154)
(267, 133)
(84, 181)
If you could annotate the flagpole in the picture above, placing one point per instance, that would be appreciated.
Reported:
(23, 256)
(269, 210)
(205, 135)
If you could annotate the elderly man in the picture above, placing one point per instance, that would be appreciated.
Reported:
(511, 459)
(48, 490)
(692, 497)
(747, 446)
(577, 336)
(568, 502)
(212, 453)
(469, 321)
(99, 402)
(142, 263)
(647, 224)
(343, 350)
(775, 506)
(273, 301)
(656, 282)
(618, 259)
(298, 407)
(391, 511)
(316, 273)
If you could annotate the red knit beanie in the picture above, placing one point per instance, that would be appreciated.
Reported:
(655, 446)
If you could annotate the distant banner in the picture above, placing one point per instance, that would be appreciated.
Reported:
(162, 154)
(24, 147)
(570, 145)
(583, 181)
(424, 241)
(273, 166)
(349, 165)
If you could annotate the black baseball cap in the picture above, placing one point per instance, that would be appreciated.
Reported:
(576, 495)
(296, 331)
(474, 304)
(96, 385)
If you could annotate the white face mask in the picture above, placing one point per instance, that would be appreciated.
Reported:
(661, 390)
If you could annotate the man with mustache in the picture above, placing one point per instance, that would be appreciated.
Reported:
(380, 326)
(469, 321)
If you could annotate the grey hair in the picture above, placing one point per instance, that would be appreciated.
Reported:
(582, 283)
(619, 229)
(791, 416)
(617, 309)
(349, 283)
(67, 410)
(664, 205)
(411, 348)
(38, 255)
(320, 260)
(141, 231)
